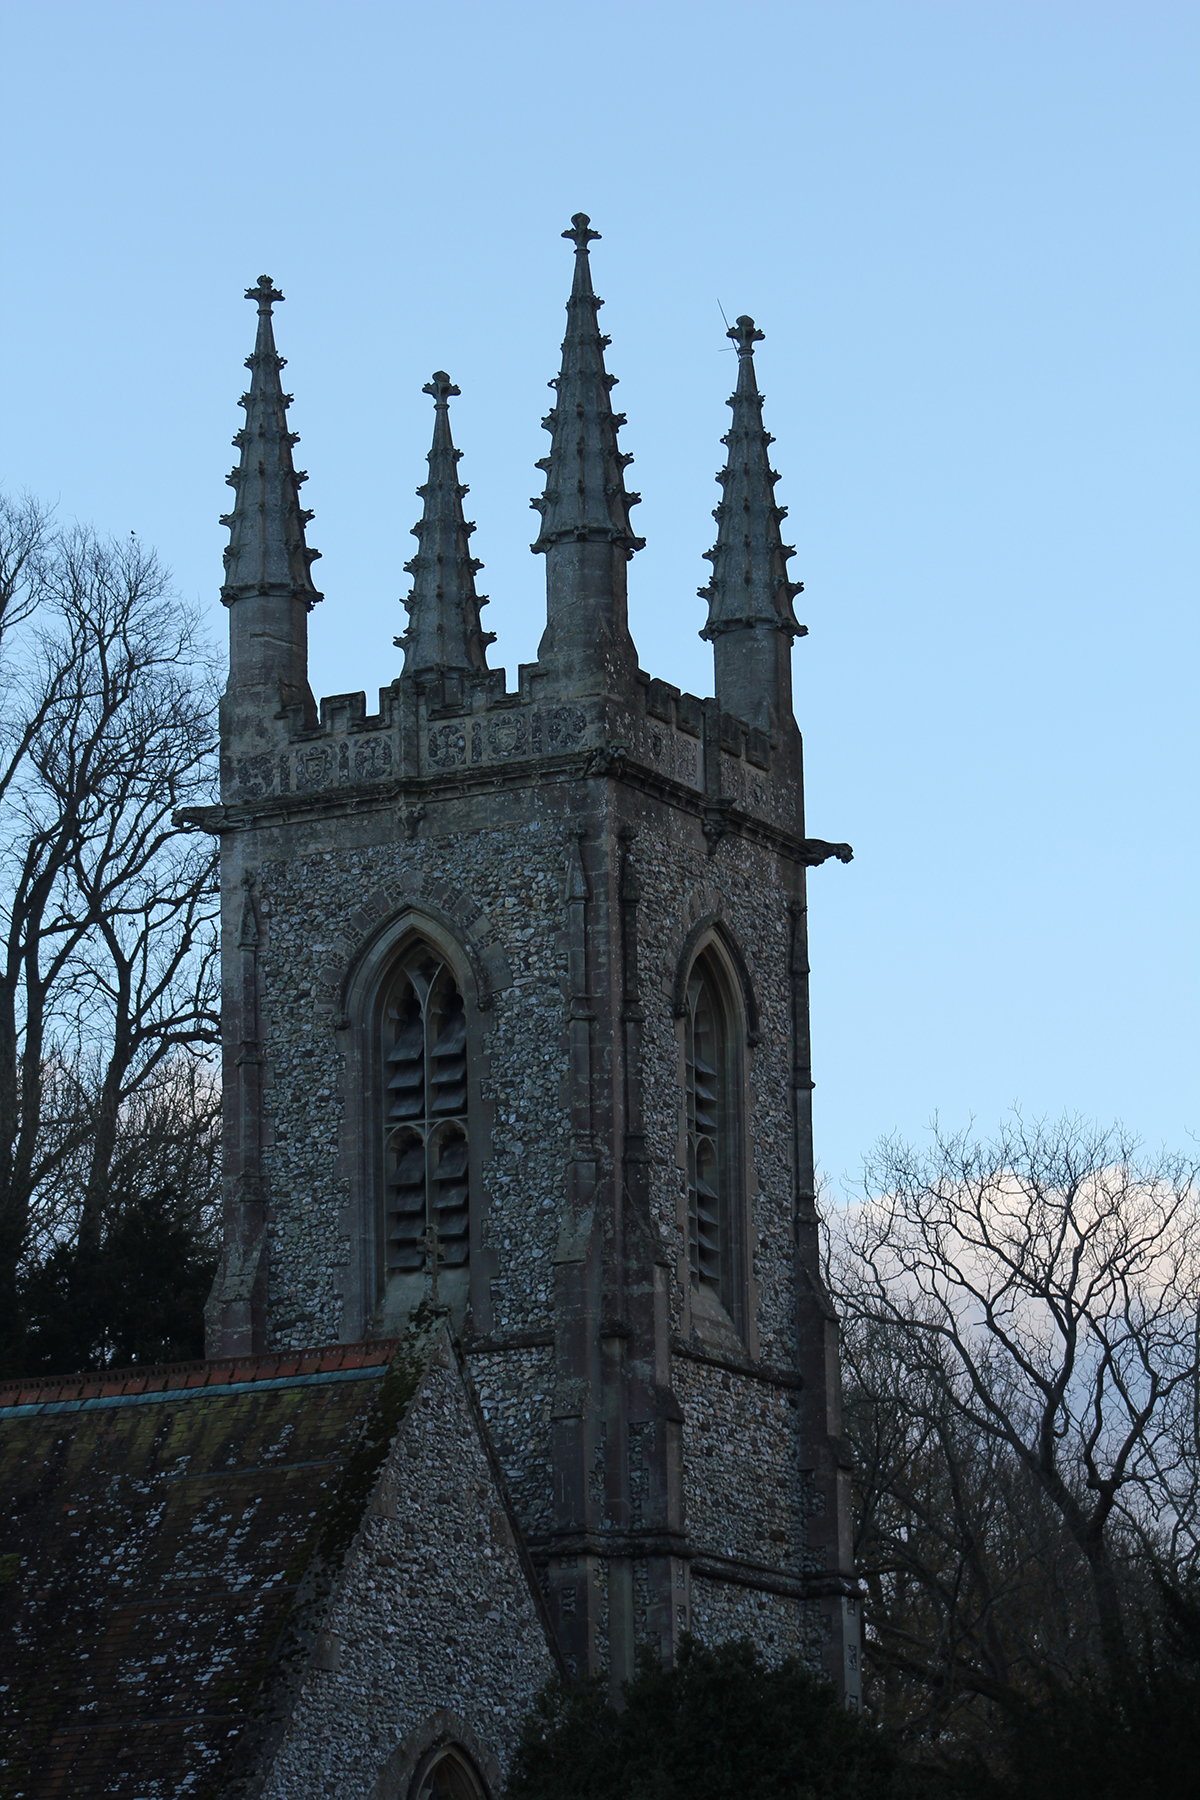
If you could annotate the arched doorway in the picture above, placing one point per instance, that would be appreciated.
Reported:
(447, 1773)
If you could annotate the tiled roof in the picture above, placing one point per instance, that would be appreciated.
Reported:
(37, 1393)
(157, 1523)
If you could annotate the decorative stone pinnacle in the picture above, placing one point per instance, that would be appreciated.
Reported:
(443, 608)
(580, 234)
(585, 499)
(749, 587)
(266, 294)
(267, 552)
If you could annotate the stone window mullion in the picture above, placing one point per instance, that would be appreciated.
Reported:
(425, 1126)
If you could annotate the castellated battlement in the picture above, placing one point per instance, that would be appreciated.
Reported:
(453, 726)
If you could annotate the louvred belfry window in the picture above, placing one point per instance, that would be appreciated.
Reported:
(426, 1148)
(712, 1139)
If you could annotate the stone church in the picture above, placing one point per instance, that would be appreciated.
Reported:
(519, 1358)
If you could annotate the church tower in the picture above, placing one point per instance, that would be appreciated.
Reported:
(516, 1018)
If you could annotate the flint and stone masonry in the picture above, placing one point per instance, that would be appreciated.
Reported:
(516, 1020)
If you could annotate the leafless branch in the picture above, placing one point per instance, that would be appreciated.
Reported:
(108, 915)
(1022, 1354)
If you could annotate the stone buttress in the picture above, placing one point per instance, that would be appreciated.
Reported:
(589, 894)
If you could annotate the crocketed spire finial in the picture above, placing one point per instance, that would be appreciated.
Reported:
(749, 585)
(267, 553)
(585, 499)
(265, 292)
(581, 233)
(745, 335)
(443, 607)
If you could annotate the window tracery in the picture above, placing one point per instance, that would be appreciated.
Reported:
(426, 1147)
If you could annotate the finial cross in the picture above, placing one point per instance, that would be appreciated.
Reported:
(745, 335)
(581, 234)
(436, 1256)
(441, 387)
(266, 293)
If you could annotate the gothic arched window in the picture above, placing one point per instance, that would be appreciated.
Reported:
(426, 1146)
(448, 1775)
(714, 1138)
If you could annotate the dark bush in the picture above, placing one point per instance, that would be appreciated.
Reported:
(721, 1725)
(1133, 1734)
(138, 1298)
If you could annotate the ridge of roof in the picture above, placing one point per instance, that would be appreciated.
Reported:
(279, 1368)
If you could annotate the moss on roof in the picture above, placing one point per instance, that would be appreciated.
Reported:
(152, 1549)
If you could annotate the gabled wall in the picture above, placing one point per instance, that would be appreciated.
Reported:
(434, 1631)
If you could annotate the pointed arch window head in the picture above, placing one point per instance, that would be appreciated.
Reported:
(426, 1145)
(714, 1139)
(448, 1775)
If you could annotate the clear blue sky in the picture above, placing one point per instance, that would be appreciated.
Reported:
(969, 232)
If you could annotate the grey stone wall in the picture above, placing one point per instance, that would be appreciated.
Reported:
(479, 726)
(514, 877)
(515, 1393)
(743, 885)
(779, 1626)
(433, 1618)
(744, 1496)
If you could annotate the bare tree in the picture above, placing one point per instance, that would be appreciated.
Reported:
(107, 922)
(1020, 1331)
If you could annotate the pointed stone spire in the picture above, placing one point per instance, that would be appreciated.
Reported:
(443, 607)
(585, 498)
(267, 553)
(751, 623)
(586, 534)
(268, 583)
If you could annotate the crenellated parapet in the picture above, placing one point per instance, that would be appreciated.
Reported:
(452, 733)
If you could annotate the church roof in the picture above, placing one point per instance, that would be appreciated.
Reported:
(159, 1524)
